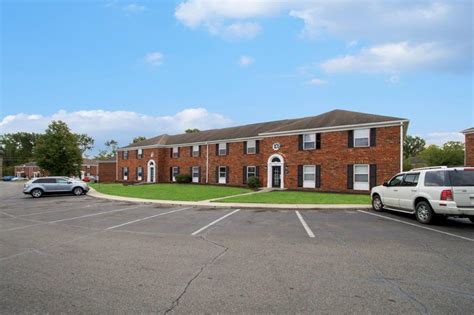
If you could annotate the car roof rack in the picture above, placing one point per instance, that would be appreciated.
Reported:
(429, 168)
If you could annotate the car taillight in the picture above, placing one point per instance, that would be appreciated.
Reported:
(447, 195)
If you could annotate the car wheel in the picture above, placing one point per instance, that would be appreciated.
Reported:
(377, 204)
(36, 193)
(77, 191)
(424, 214)
(472, 219)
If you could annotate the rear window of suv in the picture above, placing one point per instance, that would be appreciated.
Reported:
(462, 177)
(437, 179)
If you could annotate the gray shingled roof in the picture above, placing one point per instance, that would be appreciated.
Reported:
(470, 130)
(330, 119)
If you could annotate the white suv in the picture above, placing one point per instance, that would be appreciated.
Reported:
(427, 192)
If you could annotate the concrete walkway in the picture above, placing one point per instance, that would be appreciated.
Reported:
(208, 203)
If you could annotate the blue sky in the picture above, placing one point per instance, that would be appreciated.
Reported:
(119, 69)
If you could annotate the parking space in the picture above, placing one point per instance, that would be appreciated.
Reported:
(81, 254)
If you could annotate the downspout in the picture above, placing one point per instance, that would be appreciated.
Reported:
(207, 163)
(116, 165)
(401, 147)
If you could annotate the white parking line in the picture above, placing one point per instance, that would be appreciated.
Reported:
(214, 222)
(150, 217)
(305, 225)
(418, 226)
(94, 214)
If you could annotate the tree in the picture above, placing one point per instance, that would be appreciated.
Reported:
(194, 130)
(86, 143)
(109, 152)
(138, 139)
(451, 154)
(112, 146)
(17, 149)
(412, 146)
(57, 150)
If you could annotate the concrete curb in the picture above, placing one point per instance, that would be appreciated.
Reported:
(96, 194)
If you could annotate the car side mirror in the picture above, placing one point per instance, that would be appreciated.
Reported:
(385, 184)
(69, 182)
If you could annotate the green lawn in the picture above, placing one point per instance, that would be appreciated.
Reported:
(301, 197)
(182, 192)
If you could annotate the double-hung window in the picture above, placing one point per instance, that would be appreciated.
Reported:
(251, 171)
(361, 177)
(222, 174)
(139, 173)
(222, 148)
(175, 173)
(125, 173)
(309, 141)
(195, 150)
(139, 153)
(309, 176)
(125, 155)
(251, 147)
(195, 174)
(361, 138)
(175, 152)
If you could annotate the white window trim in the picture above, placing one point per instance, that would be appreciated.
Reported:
(367, 130)
(140, 153)
(140, 177)
(175, 152)
(305, 142)
(195, 179)
(174, 173)
(125, 177)
(195, 152)
(224, 149)
(254, 146)
(309, 183)
(222, 180)
(125, 155)
(254, 172)
(361, 185)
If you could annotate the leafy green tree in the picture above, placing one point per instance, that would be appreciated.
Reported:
(138, 139)
(17, 149)
(412, 146)
(192, 130)
(86, 143)
(109, 152)
(451, 154)
(57, 150)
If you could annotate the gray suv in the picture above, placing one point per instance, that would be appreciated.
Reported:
(37, 187)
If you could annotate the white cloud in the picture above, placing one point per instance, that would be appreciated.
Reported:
(239, 30)
(119, 125)
(391, 58)
(245, 61)
(133, 8)
(154, 58)
(316, 82)
(441, 137)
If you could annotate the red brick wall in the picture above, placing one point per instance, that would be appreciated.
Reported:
(92, 170)
(27, 170)
(334, 156)
(469, 149)
(106, 172)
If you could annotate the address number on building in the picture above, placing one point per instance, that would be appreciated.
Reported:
(276, 146)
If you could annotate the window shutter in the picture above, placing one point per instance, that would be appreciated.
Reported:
(257, 146)
(244, 175)
(137, 153)
(373, 175)
(171, 152)
(226, 174)
(191, 172)
(136, 171)
(171, 174)
(191, 151)
(217, 174)
(300, 142)
(245, 148)
(199, 150)
(179, 171)
(257, 171)
(318, 176)
(227, 149)
(179, 151)
(350, 138)
(318, 141)
(373, 137)
(217, 148)
(199, 174)
(350, 176)
(300, 175)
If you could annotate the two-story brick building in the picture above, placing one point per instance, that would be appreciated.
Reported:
(335, 151)
(31, 169)
(469, 147)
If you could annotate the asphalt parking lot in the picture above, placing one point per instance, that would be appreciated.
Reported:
(81, 254)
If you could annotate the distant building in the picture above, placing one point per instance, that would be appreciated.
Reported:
(31, 169)
(469, 147)
(107, 170)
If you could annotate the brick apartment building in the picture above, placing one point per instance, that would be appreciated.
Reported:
(31, 169)
(469, 147)
(335, 151)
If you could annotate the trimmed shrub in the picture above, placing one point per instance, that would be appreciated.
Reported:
(183, 178)
(253, 182)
